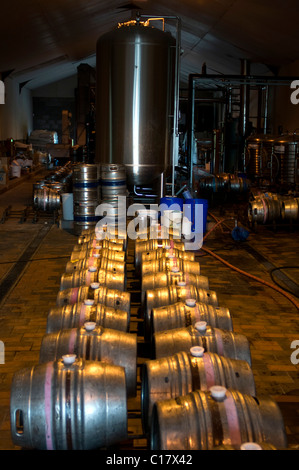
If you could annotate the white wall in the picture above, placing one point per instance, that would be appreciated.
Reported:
(16, 114)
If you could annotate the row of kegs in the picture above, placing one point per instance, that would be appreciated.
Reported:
(76, 396)
(223, 183)
(47, 192)
(96, 191)
(267, 208)
(197, 389)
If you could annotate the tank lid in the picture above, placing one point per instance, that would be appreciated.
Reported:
(90, 325)
(197, 351)
(69, 359)
(201, 326)
(95, 285)
(175, 269)
(250, 446)
(190, 302)
(218, 392)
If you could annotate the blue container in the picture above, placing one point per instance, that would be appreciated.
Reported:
(170, 202)
(192, 211)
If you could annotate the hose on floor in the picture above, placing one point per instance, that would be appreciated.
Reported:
(240, 271)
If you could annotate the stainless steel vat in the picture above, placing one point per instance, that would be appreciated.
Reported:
(135, 75)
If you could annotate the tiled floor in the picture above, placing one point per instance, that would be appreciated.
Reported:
(267, 318)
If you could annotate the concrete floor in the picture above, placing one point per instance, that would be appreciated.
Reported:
(266, 317)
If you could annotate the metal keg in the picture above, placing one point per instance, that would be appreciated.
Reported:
(46, 199)
(113, 181)
(167, 263)
(84, 215)
(59, 186)
(95, 343)
(117, 234)
(150, 245)
(180, 279)
(222, 342)
(203, 420)
(265, 209)
(184, 314)
(87, 237)
(68, 405)
(237, 184)
(161, 252)
(213, 184)
(184, 372)
(97, 262)
(116, 245)
(290, 209)
(85, 183)
(111, 279)
(100, 294)
(114, 255)
(171, 294)
(75, 315)
(86, 197)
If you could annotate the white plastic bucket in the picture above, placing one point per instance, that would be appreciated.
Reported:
(67, 206)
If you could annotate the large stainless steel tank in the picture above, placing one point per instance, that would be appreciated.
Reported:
(135, 76)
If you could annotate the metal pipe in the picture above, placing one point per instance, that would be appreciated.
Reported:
(266, 109)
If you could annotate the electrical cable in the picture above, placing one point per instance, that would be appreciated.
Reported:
(240, 271)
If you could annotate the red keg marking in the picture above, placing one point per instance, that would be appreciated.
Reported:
(48, 405)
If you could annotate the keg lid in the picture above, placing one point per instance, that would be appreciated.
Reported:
(175, 269)
(89, 325)
(250, 446)
(218, 392)
(190, 302)
(98, 247)
(182, 283)
(201, 326)
(96, 255)
(69, 359)
(197, 351)
(95, 285)
(92, 269)
(89, 301)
